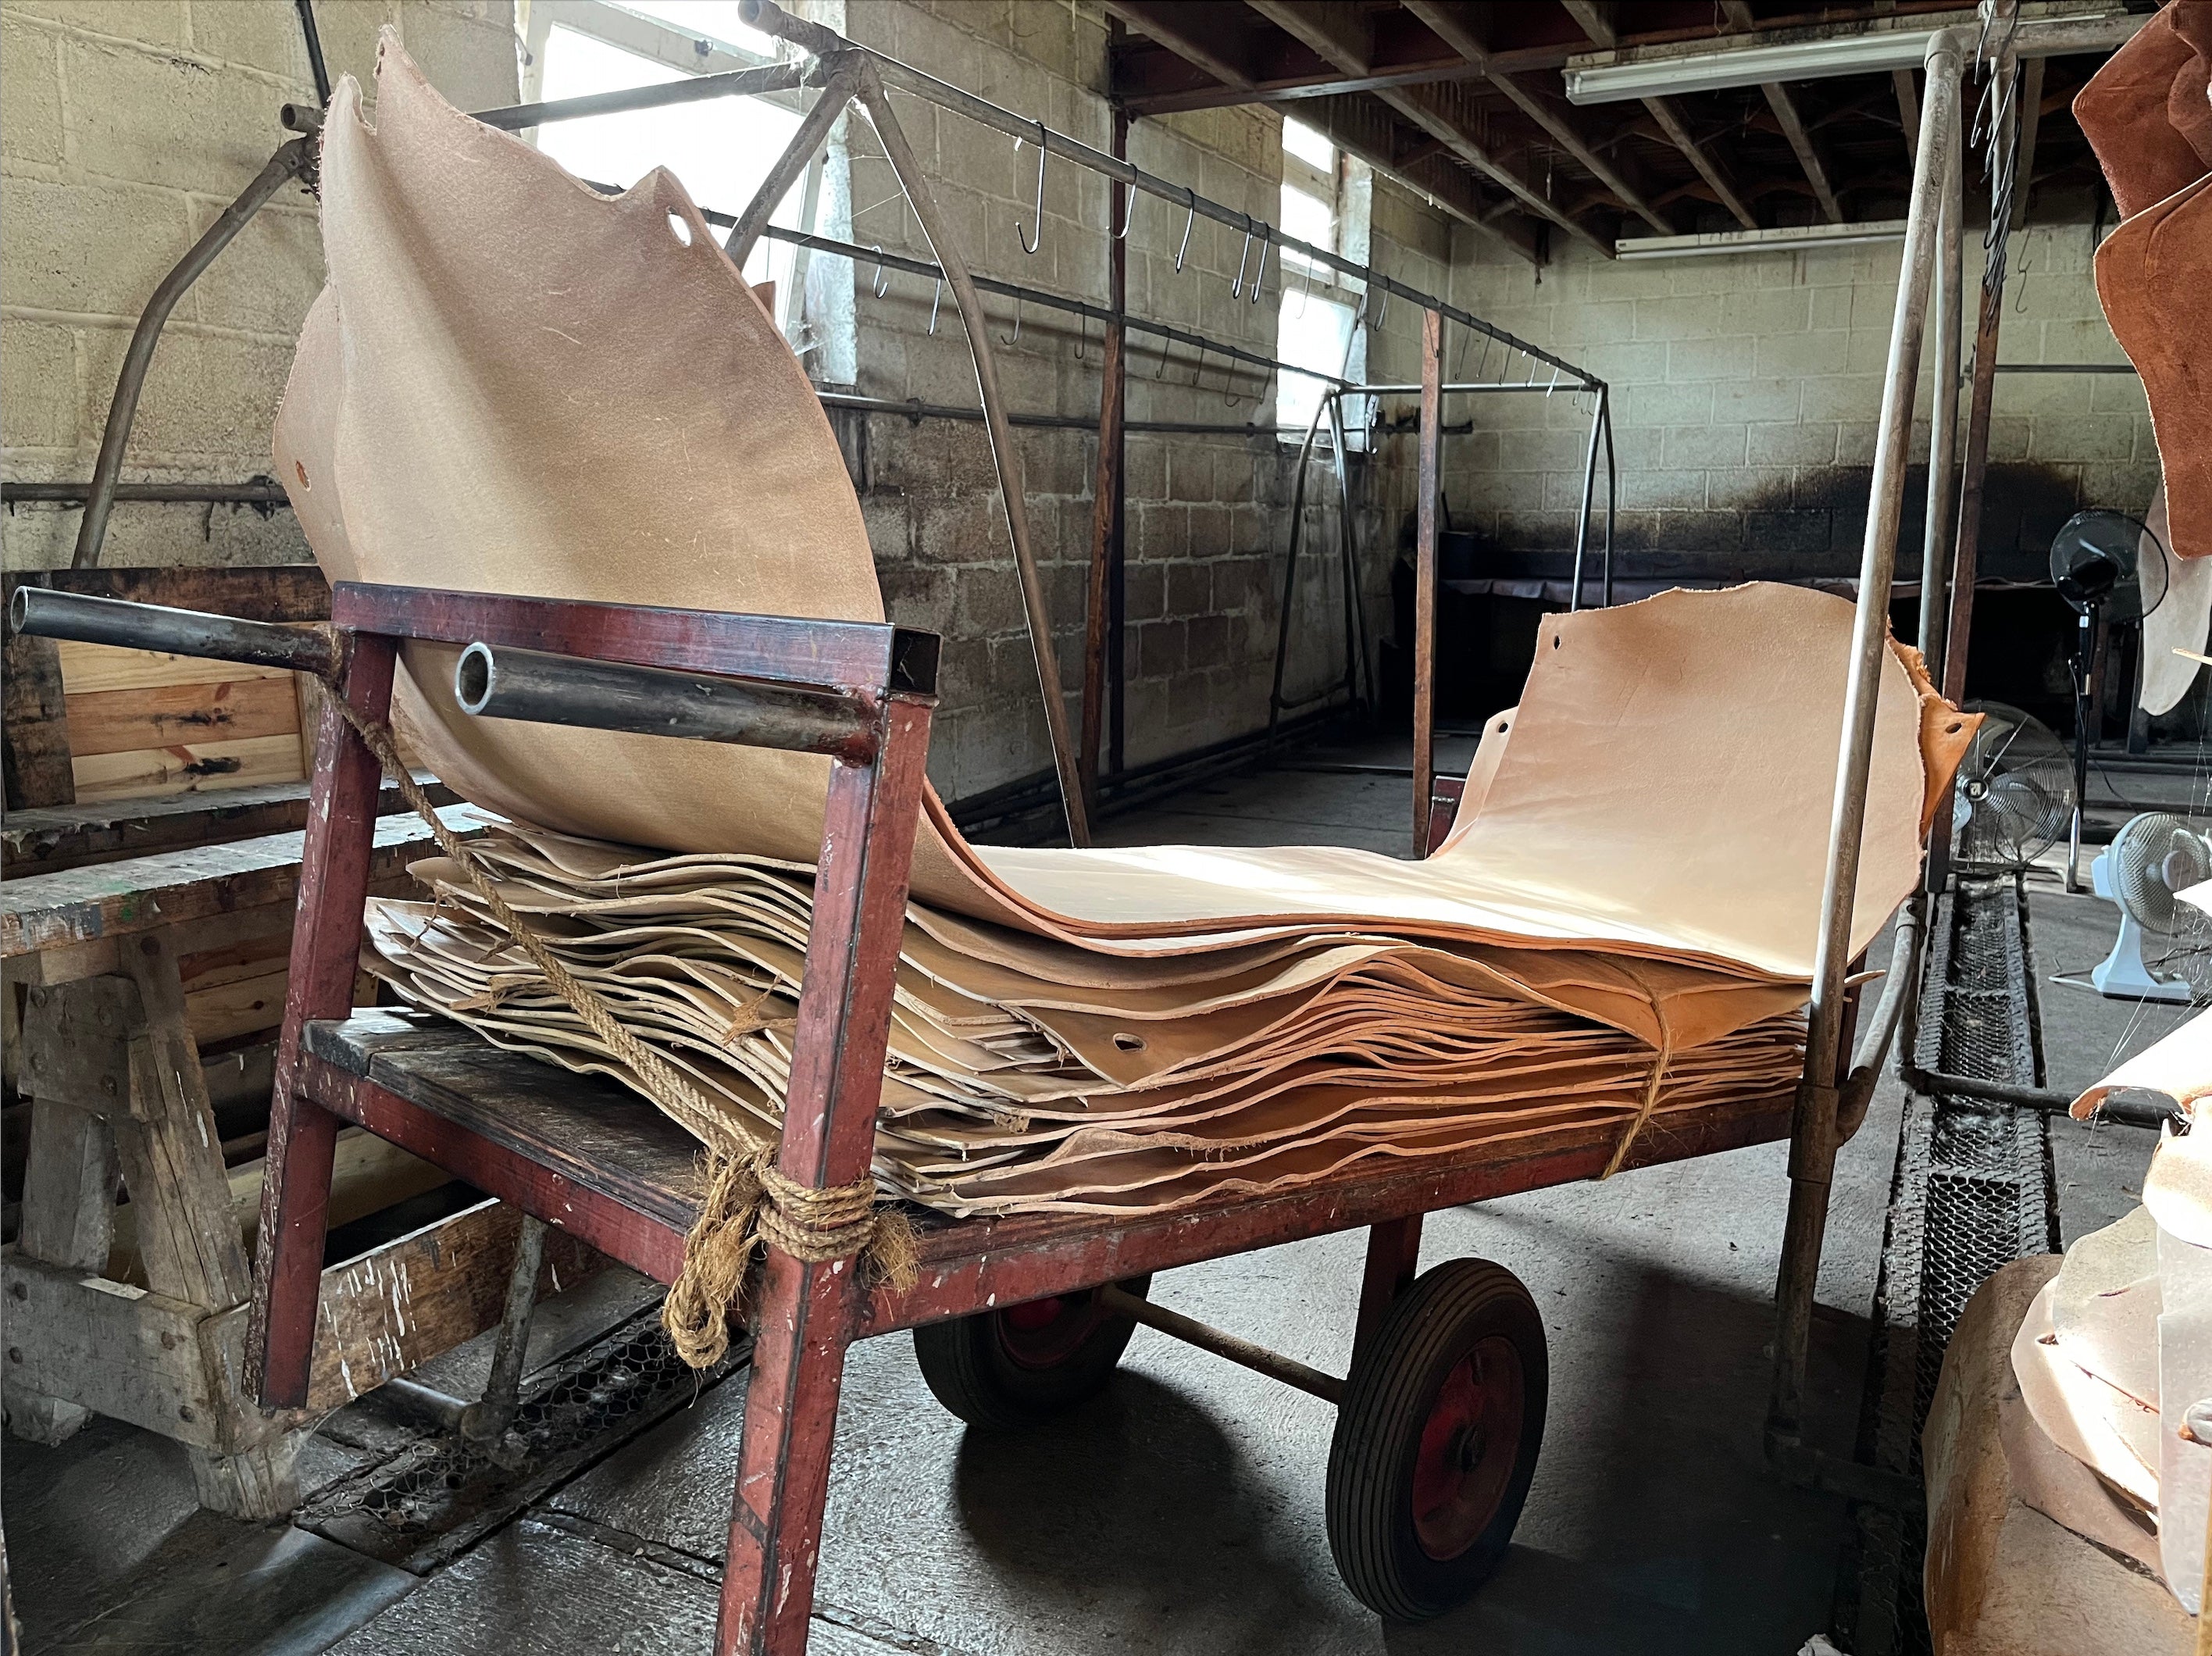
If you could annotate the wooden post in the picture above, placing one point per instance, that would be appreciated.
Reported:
(1394, 1258)
(807, 1313)
(326, 951)
(1117, 294)
(1105, 512)
(1425, 576)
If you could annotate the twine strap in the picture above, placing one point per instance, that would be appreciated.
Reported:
(748, 1201)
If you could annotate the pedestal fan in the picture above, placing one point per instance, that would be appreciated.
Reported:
(2107, 567)
(2014, 793)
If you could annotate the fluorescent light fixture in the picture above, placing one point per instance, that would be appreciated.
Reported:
(1821, 51)
(1788, 239)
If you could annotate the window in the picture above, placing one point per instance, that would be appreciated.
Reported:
(1314, 323)
(720, 147)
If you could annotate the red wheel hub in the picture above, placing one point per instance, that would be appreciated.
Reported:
(1045, 1333)
(1468, 1447)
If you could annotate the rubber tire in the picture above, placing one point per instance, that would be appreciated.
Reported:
(1394, 1384)
(969, 1368)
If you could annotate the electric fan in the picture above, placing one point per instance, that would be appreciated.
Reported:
(2153, 857)
(2104, 564)
(2015, 792)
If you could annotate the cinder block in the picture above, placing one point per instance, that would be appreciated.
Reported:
(1792, 443)
(1756, 398)
(31, 114)
(1209, 537)
(472, 62)
(1689, 359)
(2089, 437)
(1841, 397)
(37, 389)
(94, 248)
(1798, 356)
(1741, 488)
(1664, 405)
(209, 400)
(166, 120)
(1681, 490)
(1695, 317)
(264, 37)
(1706, 445)
(156, 22)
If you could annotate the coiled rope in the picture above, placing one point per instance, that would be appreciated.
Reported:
(748, 1202)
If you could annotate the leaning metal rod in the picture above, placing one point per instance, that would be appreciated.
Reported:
(1234, 1348)
(496, 682)
(1812, 1142)
(1582, 519)
(1347, 536)
(1944, 427)
(293, 157)
(1275, 704)
(738, 83)
(771, 19)
(798, 155)
(39, 612)
(1005, 456)
(1612, 489)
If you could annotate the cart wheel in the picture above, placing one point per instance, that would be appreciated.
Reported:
(1004, 1369)
(1436, 1441)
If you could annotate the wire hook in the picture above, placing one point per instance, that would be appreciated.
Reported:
(1128, 214)
(936, 298)
(1267, 240)
(1014, 338)
(1030, 243)
(882, 284)
(1236, 288)
(1187, 224)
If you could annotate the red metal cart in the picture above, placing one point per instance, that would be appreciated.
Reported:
(1441, 1415)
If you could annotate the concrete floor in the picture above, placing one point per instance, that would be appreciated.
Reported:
(1181, 1510)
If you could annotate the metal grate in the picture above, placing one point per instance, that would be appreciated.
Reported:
(1972, 1191)
(439, 1494)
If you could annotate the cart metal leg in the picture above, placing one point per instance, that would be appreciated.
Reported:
(486, 1421)
(807, 1313)
(1394, 1258)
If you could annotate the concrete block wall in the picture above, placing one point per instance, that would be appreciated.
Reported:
(1207, 516)
(125, 131)
(1746, 392)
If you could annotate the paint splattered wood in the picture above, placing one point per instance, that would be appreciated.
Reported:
(139, 894)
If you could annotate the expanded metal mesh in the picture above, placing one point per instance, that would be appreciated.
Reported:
(1971, 1191)
(438, 1493)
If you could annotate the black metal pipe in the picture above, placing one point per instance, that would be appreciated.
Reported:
(2127, 1107)
(316, 66)
(293, 157)
(496, 683)
(39, 612)
(216, 494)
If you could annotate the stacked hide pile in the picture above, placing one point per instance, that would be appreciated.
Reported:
(513, 384)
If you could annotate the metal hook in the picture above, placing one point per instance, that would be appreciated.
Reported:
(882, 284)
(1030, 243)
(1267, 240)
(1236, 288)
(1128, 214)
(1014, 338)
(1187, 224)
(936, 298)
(1554, 385)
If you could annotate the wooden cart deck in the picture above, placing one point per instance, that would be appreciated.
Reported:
(594, 1158)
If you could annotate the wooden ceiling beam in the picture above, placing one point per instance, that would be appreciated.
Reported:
(1365, 129)
(1793, 128)
(1594, 19)
(1439, 111)
(1454, 26)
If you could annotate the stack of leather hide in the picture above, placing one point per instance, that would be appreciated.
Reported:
(513, 384)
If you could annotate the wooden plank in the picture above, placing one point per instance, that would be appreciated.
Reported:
(110, 1348)
(1800, 141)
(268, 592)
(36, 723)
(49, 839)
(91, 669)
(241, 1006)
(165, 716)
(196, 766)
(393, 1309)
(139, 894)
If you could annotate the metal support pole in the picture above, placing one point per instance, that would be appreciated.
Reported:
(1814, 1135)
(1612, 488)
(1425, 576)
(1347, 540)
(486, 1422)
(1583, 518)
(38, 612)
(1275, 702)
(1004, 454)
(293, 157)
(813, 132)
(1105, 499)
(1234, 1348)
(1943, 425)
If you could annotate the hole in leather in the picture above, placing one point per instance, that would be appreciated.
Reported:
(300, 471)
(1953, 730)
(1555, 641)
(676, 222)
(1129, 1042)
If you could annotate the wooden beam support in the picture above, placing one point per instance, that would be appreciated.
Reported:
(1908, 109)
(2031, 119)
(1793, 128)
(1442, 112)
(1363, 128)
(1454, 25)
(1429, 483)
